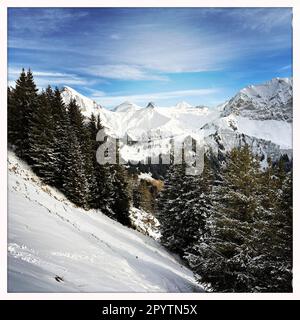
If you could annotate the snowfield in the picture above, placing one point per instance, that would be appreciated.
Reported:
(56, 247)
(278, 132)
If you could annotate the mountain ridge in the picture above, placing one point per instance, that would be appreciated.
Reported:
(262, 112)
(271, 100)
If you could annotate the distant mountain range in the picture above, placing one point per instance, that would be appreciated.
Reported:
(260, 115)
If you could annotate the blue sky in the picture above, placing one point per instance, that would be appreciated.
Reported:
(199, 55)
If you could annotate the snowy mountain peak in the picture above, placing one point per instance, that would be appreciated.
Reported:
(87, 105)
(126, 106)
(151, 105)
(183, 105)
(269, 87)
(271, 100)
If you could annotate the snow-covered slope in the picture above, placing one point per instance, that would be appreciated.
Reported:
(55, 247)
(260, 114)
(278, 132)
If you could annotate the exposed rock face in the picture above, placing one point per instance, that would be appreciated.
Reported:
(272, 100)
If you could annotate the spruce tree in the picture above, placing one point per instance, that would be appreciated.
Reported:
(284, 250)
(77, 122)
(22, 100)
(30, 105)
(41, 141)
(16, 107)
(99, 173)
(248, 246)
(61, 136)
(117, 195)
(222, 257)
(76, 177)
(61, 147)
(75, 184)
(118, 198)
(183, 206)
(11, 117)
(272, 269)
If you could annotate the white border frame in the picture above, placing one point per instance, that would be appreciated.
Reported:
(4, 4)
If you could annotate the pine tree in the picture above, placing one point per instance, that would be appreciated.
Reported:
(117, 192)
(269, 184)
(76, 177)
(41, 141)
(16, 102)
(22, 100)
(75, 184)
(171, 214)
(30, 104)
(77, 121)
(11, 117)
(89, 166)
(61, 136)
(99, 174)
(167, 212)
(224, 254)
(183, 206)
(248, 246)
(61, 147)
(272, 269)
(284, 252)
(118, 199)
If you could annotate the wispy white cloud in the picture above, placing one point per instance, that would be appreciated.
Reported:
(287, 67)
(157, 96)
(46, 20)
(86, 46)
(123, 72)
(45, 78)
(95, 92)
(16, 72)
(177, 41)
(260, 19)
(43, 82)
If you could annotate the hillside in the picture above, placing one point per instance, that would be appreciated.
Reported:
(56, 247)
